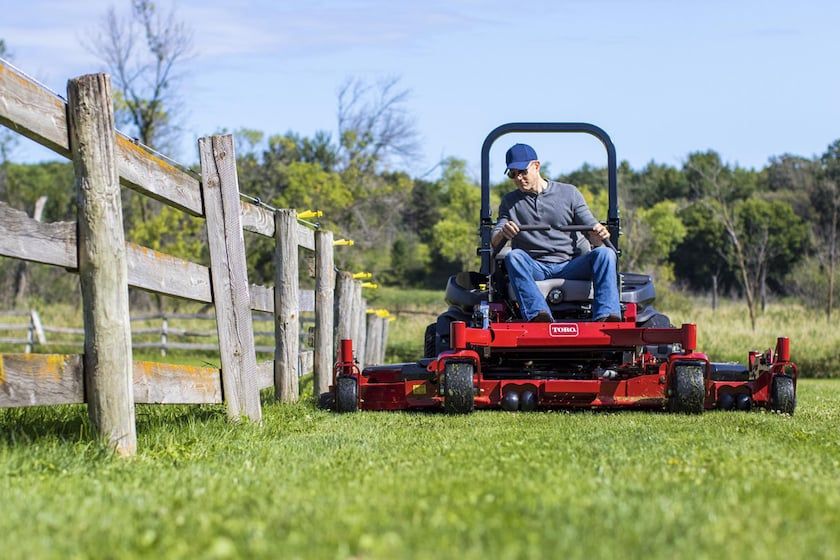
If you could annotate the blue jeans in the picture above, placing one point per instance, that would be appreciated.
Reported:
(597, 265)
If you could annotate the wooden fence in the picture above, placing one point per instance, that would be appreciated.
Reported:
(104, 376)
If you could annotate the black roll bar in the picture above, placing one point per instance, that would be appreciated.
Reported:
(486, 227)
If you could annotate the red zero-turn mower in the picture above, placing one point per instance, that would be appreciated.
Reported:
(479, 354)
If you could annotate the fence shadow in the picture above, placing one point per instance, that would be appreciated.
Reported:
(24, 426)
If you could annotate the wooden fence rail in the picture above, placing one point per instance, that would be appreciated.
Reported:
(105, 376)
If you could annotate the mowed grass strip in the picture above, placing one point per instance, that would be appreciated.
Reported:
(313, 484)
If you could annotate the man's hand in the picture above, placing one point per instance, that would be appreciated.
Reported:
(598, 234)
(508, 232)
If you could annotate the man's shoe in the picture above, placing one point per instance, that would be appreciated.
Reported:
(542, 317)
(607, 319)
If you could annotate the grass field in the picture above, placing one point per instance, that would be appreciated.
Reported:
(312, 484)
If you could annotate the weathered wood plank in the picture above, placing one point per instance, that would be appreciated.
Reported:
(228, 272)
(39, 114)
(14, 340)
(323, 355)
(257, 219)
(286, 307)
(50, 379)
(148, 173)
(305, 237)
(103, 270)
(40, 379)
(305, 362)
(265, 374)
(262, 298)
(22, 237)
(178, 346)
(165, 274)
(158, 383)
(33, 111)
(306, 301)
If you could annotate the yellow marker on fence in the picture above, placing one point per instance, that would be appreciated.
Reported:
(343, 243)
(382, 313)
(309, 214)
(362, 275)
(371, 285)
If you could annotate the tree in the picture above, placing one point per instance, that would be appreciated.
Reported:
(826, 202)
(375, 131)
(716, 186)
(456, 233)
(702, 256)
(775, 240)
(145, 53)
(652, 235)
(374, 125)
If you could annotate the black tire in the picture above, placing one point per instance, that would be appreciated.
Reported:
(346, 394)
(457, 385)
(429, 341)
(326, 401)
(783, 395)
(688, 389)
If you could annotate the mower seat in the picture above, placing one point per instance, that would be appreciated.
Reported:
(567, 290)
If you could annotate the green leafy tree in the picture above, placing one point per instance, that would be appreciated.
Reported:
(775, 239)
(826, 202)
(702, 258)
(652, 235)
(456, 233)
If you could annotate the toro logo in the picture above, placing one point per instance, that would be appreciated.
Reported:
(563, 329)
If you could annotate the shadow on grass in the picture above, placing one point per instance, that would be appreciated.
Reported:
(71, 424)
(68, 423)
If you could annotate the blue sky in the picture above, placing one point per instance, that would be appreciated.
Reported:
(750, 79)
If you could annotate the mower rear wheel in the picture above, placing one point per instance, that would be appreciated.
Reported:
(429, 350)
(783, 395)
(346, 394)
(457, 384)
(688, 389)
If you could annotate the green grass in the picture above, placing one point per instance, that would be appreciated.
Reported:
(312, 484)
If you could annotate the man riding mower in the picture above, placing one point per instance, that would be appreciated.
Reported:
(553, 323)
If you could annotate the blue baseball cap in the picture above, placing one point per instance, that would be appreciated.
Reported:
(519, 156)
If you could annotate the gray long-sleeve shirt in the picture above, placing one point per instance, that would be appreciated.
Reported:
(560, 204)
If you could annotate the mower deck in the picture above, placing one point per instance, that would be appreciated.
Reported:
(523, 366)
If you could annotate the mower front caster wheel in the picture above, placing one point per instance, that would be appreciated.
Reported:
(346, 394)
(457, 388)
(783, 395)
(688, 389)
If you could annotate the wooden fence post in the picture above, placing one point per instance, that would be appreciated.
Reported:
(361, 325)
(324, 302)
(383, 339)
(286, 307)
(229, 278)
(103, 270)
(344, 309)
(372, 345)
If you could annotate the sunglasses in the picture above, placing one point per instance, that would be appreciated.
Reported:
(517, 172)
